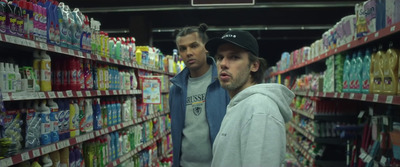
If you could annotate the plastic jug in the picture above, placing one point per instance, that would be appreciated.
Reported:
(391, 70)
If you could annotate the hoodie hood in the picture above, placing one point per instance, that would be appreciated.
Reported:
(278, 93)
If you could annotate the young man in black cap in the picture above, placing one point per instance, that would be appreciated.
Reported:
(197, 101)
(253, 130)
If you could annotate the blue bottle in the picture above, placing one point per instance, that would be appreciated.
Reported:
(366, 72)
(346, 74)
(109, 114)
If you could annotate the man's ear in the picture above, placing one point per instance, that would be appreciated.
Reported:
(254, 66)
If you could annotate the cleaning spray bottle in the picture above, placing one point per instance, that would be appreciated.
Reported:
(54, 120)
(45, 72)
(46, 125)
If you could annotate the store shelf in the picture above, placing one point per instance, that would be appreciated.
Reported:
(138, 149)
(302, 131)
(330, 163)
(65, 94)
(71, 52)
(303, 151)
(160, 158)
(358, 42)
(36, 152)
(375, 98)
(304, 113)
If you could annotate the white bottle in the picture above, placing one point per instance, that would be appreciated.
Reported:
(45, 72)
(18, 82)
(46, 125)
(3, 78)
(10, 78)
(54, 120)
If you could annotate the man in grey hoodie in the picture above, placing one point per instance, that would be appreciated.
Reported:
(252, 132)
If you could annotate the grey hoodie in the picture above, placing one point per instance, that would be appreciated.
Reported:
(253, 130)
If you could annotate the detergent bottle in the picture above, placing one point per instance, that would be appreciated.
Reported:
(378, 72)
(390, 70)
(366, 72)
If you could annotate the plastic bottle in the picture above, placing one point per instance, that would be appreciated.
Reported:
(46, 161)
(116, 143)
(45, 72)
(78, 157)
(390, 70)
(113, 147)
(3, 77)
(18, 82)
(88, 123)
(366, 72)
(109, 148)
(46, 126)
(88, 75)
(358, 78)
(114, 112)
(106, 78)
(72, 160)
(67, 119)
(54, 120)
(73, 119)
(55, 158)
(378, 70)
(138, 55)
(11, 77)
(119, 111)
(352, 74)
(81, 74)
(121, 144)
(372, 70)
(100, 76)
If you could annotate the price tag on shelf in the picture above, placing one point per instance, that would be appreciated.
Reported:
(368, 159)
(385, 120)
(6, 97)
(43, 46)
(60, 145)
(365, 39)
(310, 93)
(335, 95)
(52, 95)
(69, 93)
(363, 97)
(106, 131)
(53, 148)
(31, 43)
(392, 28)
(91, 135)
(107, 59)
(1, 38)
(79, 93)
(118, 126)
(360, 115)
(389, 99)
(60, 94)
(114, 92)
(80, 54)
(341, 95)
(42, 95)
(8, 38)
(383, 161)
(44, 150)
(375, 99)
(371, 111)
(88, 93)
(376, 35)
(71, 52)
(98, 57)
(324, 94)
(113, 128)
(8, 161)
(97, 133)
(115, 163)
(351, 95)
(57, 49)
(25, 156)
(107, 92)
(98, 93)
(120, 92)
(66, 143)
(36, 153)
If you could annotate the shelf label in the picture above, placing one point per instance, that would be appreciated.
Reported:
(389, 99)
(8, 161)
(376, 34)
(368, 159)
(36, 153)
(6, 97)
(115, 163)
(107, 59)
(362, 155)
(80, 54)
(60, 145)
(113, 128)
(365, 39)
(88, 93)
(69, 93)
(98, 57)
(71, 52)
(118, 126)
(1, 38)
(52, 95)
(392, 28)
(114, 92)
(98, 93)
(371, 111)
(335, 95)
(360, 115)
(120, 92)
(43, 46)
(57, 49)
(60, 94)
(97, 133)
(107, 92)
(383, 160)
(385, 120)
(324, 94)
(45, 150)
(351, 95)
(375, 99)
(25, 156)
(363, 97)
(341, 95)
(79, 93)
(42, 95)
(31, 44)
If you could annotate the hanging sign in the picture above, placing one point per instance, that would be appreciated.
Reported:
(151, 90)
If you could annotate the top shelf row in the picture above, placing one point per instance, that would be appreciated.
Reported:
(353, 44)
(71, 52)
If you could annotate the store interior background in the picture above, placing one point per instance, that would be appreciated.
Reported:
(279, 26)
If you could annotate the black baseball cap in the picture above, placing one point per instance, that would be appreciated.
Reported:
(239, 38)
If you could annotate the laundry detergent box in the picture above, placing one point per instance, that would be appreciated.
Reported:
(366, 18)
(392, 12)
